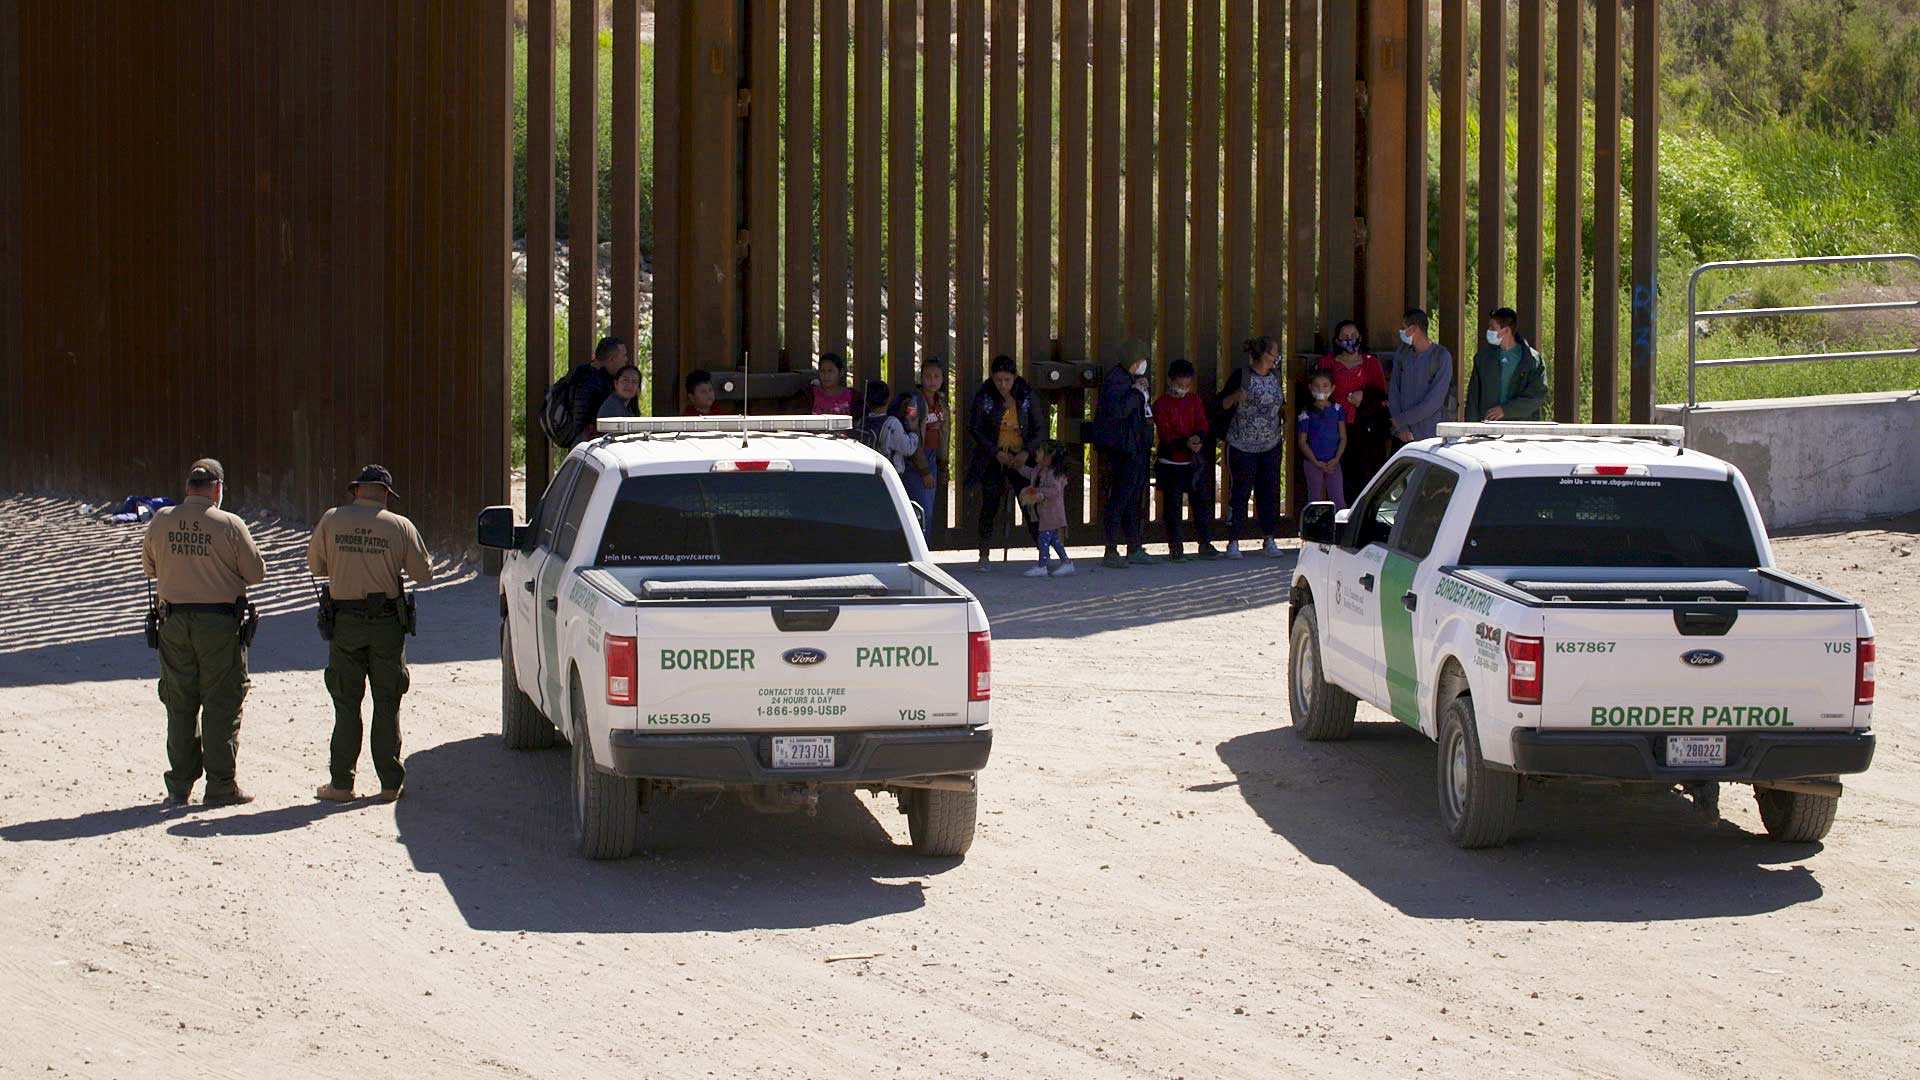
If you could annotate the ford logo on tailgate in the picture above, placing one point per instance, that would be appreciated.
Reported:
(803, 657)
(1695, 658)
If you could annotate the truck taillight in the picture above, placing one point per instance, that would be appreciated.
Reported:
(620, 663)
(1524, 655)
(1863, 671)
(980, 666)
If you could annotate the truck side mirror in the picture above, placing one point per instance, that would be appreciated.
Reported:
(1317, 525)
(919, 515)
(497, 529)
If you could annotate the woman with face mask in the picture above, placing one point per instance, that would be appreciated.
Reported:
(1360, 389)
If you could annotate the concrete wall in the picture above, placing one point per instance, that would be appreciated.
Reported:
(1815, 460)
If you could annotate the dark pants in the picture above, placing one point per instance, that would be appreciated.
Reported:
(368, 647)
(203, 682)
(1369, 444)
(1126, 482)
(1258, 475)
(1181, 485)
(993, 492)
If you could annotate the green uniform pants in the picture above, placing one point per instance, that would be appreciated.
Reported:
(203, 682)
(367, 647)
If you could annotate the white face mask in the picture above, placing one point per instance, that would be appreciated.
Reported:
(1321, 395)
(1139, 369)
(1406, 338)
(1493, 337)
(1178, 391)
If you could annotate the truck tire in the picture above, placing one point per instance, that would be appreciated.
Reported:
(1478, 802)
(941, 822)
(1794, 817)
(606, 808)
(521, 725)
(1321, 711)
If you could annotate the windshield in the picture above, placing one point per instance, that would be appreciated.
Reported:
(1640, 521)
(748, 519)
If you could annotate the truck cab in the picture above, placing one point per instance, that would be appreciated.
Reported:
(744, 605)
(1568, 602)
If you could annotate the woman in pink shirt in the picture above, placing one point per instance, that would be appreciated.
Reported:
(1360, 386)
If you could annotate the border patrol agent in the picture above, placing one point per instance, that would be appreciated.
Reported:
(362, 549)
(203, 558)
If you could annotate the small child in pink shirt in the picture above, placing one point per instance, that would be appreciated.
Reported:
(1046, 500)
(832, 395)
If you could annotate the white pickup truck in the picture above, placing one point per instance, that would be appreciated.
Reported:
(718, 603)
(1579, 602)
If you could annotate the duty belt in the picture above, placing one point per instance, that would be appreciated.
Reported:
(376, 602)
(213, 609)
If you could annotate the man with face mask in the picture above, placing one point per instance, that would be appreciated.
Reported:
(203, 559)
(1509, 380)
(1420, 390)
(1123, 434)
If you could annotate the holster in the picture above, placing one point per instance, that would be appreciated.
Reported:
(154, 619)
(249, 617)
(409, 613)
(325, 615)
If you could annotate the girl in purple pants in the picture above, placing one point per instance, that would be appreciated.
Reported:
(1323, 441)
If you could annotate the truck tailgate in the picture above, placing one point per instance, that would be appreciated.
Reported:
(1774, 668)
(733, 668)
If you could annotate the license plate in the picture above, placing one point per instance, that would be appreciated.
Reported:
(803, 751)
(1696, 751)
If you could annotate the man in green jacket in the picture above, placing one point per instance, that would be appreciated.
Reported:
(1509, 380)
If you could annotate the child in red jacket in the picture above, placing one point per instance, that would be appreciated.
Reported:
(1183, 467)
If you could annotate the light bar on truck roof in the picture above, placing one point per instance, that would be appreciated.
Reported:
(726, 425)
(1669, 434)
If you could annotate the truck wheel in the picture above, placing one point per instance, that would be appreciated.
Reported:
(606, 808)
(1477, 802)
(1321, 710)
(1794, 817)
(941, 822)
(521, 725)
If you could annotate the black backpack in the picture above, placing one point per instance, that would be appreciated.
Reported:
(871, 430)
(556, 412)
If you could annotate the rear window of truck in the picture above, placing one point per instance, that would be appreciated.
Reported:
(1609, 521)
(747, 519)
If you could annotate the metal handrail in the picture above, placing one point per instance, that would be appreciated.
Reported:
(1694, 314)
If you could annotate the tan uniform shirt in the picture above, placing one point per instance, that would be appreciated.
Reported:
(362, 547)
(200, 554)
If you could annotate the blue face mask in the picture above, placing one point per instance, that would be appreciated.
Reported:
(1349, 344)
(1406, 338)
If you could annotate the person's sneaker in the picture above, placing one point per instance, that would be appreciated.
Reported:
(1270, 549)
(985, 564)
(1139, 557)
(392, 794)
(236, 797)
(176, 798)
(1114, 561)
(1176, 556)
(1207, 553)
(1233, 550)
(1065, 569)
(329, 793)
(1037, 571)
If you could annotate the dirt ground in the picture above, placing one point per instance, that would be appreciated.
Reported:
(1166, 882)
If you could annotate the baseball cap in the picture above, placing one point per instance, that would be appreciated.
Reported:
(206, 470)
(376, 474)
